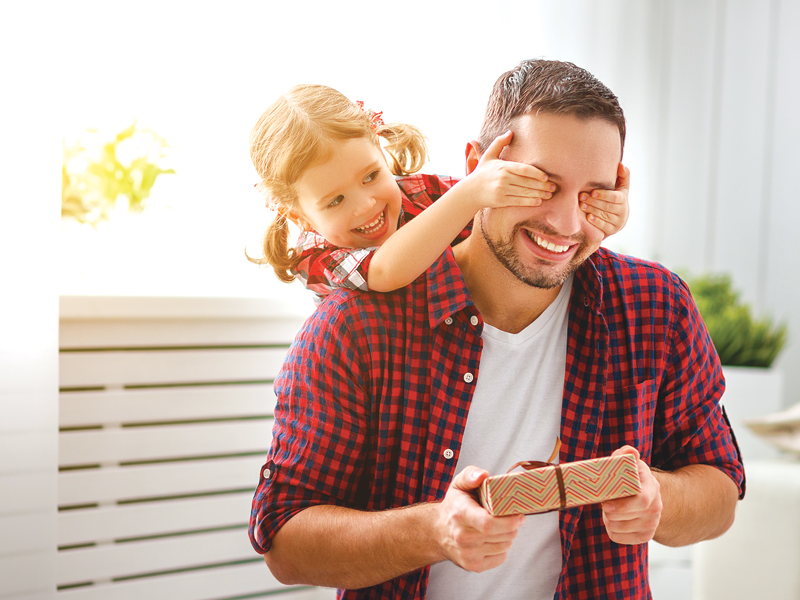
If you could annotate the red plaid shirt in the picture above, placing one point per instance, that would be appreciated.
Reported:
(324, 267)
(376, 389)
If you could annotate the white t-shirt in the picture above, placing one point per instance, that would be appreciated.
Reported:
(515, 415)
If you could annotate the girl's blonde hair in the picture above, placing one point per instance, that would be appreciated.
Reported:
(301, 130)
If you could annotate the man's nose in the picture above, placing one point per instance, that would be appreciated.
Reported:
(564, 214)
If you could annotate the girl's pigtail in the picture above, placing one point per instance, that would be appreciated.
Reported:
(405, 145)
(277, 253)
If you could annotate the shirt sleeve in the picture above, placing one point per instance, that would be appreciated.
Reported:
(320, 430)
(692, 426)
(324, 268)
(420, 191)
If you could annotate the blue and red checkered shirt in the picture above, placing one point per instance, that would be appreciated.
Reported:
(374, 395)
(323, 267)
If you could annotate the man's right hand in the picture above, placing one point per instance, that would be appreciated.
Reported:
(467, 534)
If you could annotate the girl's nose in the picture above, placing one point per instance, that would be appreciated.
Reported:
(365, 205)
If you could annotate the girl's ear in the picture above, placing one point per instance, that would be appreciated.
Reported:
(294, 217)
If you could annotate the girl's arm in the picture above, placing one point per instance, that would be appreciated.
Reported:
(414, 247)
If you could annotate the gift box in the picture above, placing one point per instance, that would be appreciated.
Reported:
(553, 487)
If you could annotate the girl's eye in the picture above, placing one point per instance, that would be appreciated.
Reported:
(335, 202)
(371, 177)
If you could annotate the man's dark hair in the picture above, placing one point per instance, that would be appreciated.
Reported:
(549, 86)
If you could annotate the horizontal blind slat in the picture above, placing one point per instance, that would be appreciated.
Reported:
(165, 404)
(163, 442)
(151, 556)
(184, 332)
(153, 518)
(219, 582)
(158, 480)
(165, 367)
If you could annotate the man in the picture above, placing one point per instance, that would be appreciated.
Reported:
(527, 331)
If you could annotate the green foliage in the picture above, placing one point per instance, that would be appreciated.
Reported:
(92, 182)
(740, 339)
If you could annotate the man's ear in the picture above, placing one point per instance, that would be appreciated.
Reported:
(472, 155)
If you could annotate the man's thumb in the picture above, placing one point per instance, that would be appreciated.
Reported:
(469, 479)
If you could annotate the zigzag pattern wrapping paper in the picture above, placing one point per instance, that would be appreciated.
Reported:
(585, 482)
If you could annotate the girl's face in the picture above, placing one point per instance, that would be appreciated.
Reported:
(352, 200)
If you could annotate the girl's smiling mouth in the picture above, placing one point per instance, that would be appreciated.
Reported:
(374, 226)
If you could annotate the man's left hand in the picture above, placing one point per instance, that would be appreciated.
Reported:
(633, 520)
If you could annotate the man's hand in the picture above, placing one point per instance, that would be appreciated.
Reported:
(633, 520)
(468, 535)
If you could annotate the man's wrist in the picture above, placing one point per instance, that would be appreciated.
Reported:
(425, 524)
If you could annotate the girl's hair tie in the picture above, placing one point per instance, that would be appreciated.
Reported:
(375, 118)
(269, 200)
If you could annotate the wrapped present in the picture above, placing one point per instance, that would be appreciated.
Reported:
(545, 487)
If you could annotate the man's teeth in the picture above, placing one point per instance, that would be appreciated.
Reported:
(548, 245)
(372, 227)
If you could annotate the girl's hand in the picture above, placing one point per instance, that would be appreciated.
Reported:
(608, 210)
(496, 182)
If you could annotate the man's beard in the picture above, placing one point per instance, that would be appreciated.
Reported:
(538, 277)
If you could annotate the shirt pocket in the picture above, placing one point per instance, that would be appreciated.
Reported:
(629, 417)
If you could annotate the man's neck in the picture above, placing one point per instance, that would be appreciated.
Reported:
(504, 301)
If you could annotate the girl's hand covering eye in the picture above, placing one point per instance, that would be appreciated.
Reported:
(608, 210)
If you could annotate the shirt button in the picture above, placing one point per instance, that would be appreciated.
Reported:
(448, 321)
(586, 300)
(468, 377)
(473, 319)
(448, 454)
(267, 473)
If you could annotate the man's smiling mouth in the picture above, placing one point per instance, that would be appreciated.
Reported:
(373, 226)
(547, 245)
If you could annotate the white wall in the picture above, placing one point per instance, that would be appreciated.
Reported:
(202, 79)
(727, 156)
(30, 154)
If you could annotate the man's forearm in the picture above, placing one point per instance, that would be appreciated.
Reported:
(338, 547)
(699, 503)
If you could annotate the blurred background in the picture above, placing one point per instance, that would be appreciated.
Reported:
(709, 88)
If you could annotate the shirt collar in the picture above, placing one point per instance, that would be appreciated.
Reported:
(588, 284)
(448, 293)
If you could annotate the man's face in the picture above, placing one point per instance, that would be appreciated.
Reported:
(541, 246)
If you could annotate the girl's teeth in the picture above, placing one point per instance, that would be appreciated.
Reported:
(371, 227)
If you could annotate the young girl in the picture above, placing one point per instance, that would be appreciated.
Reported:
(322, 168)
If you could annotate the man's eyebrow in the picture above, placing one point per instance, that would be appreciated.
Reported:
(599, 185)
(595, 185)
